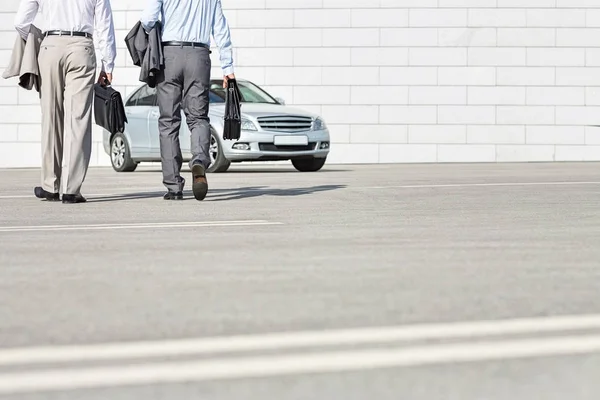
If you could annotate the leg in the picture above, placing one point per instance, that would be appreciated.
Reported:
(79, 85)
(196, 90)
(169, 93)
(52, 97)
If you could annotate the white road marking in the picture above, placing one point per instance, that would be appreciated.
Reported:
(417, 186)
(95, 196)
(291, 364)
(157, 225)
(499, 184)
(295, 340)
(16, 197)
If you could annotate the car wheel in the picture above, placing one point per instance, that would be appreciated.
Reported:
(120, 155)
(218, 162)
(309, 164)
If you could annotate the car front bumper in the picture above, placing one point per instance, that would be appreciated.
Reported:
(261, 146)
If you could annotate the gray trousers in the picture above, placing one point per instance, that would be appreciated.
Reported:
(185, 83)
(67, 71)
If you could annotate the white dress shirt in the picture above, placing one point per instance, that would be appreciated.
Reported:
(192, 21)
(90, 16)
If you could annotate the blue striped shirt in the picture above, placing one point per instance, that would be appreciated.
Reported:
(192, 21)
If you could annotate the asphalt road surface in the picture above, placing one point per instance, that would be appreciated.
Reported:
(425, 282)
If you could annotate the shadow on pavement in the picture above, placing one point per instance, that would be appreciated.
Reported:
(225, 194)
(279, 171)
(248, 171)
(245, 193)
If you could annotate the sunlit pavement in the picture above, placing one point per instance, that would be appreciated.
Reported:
(288, 285)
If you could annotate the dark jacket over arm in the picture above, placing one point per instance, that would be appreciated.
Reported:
(146, 51)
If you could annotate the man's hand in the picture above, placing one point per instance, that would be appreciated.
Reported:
(226, 78)
(104, 78)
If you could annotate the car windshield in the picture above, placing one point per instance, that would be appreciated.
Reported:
(249, 91)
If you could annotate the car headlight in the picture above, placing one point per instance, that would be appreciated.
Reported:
(318, 124)
(248, 125)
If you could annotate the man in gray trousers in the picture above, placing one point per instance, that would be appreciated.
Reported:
(186, 29)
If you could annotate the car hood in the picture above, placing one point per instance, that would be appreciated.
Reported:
(263, 110)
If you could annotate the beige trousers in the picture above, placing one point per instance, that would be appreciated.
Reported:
(67, 70)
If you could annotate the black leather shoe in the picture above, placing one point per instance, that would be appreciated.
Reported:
(173, 195)
(42, 194)
(199, 183)
(73, 198)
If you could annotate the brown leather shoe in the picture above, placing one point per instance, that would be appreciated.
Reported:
(199, 182)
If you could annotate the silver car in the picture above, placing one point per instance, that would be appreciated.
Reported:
(271, 131)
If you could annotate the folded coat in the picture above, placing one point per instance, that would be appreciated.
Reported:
(146, 51)
(24, 60)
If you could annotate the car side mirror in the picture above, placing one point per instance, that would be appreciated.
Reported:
(280, 101)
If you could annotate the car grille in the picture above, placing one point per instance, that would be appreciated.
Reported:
(272, 147)
(285, 123)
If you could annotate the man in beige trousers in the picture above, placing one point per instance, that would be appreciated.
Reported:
(67, 63)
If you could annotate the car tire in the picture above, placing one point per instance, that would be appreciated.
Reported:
(120, 155)
(217, 157)
(312, 164)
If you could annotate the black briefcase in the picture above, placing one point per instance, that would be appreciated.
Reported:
(109, 110)
(232, 124)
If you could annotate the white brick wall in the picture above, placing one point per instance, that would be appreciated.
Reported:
(396, 80)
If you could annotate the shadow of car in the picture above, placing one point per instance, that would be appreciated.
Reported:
(271, 131)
